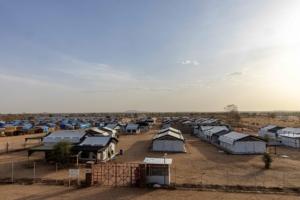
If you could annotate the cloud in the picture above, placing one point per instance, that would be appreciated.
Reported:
(235, 74)
(189, 62)
(196, 63)
(186, 62)
(125, 89)
(93, 72)
(33, 82)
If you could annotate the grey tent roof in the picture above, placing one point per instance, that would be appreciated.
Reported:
(231, 137)
(71, 136)
(170, 129)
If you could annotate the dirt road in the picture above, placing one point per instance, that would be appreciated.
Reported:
(43, 192)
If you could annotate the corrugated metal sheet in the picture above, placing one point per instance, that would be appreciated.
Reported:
(170, 129)
(289, 130)
(97, 141)
(132, 126)
(215, 129)
(67, 134)
(50, 140)
(159, 161)
(266, 128)
(231, 137)
(170, 133)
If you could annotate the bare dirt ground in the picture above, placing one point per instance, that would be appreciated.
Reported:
(17, 142)
(201, 163)
(41, 192)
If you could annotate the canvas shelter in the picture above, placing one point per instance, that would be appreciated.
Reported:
(168, 140)
(240, 143)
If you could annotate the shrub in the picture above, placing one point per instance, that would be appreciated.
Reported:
(267, 158)
(61, 152)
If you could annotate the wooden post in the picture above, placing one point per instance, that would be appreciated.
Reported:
(175, 175)
(255, 181)
(78, 177)
(201, 174)
(283, 180)
(34, 172)
(56, 173)
(12, 172)
(227, 181)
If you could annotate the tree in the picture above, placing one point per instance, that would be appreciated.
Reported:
(267, 158)
(272, 115)
(61, 152)
(267, 138)
(232, 113)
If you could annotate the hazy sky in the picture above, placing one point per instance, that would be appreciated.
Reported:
(109, 56)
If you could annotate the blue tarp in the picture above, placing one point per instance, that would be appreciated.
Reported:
(27, 127)
(16, 123)
(82, 126)
(51, 125)
(45, 128)
(66, 126)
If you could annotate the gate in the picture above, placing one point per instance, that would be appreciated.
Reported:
(115, 174)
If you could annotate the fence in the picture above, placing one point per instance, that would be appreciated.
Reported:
(19, 145)
(230, 179)
(38, 171)
(196, 177)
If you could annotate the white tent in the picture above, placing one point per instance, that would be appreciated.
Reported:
(239, 143)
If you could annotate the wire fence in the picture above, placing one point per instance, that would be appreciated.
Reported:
(220, 179)
(39, 171)
(231, 179)
(20, 145)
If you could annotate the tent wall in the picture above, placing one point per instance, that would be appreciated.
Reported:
(168, 145)
(245, 147)
(291, 142)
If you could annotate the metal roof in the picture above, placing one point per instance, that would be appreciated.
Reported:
(95, 141)
(158, 161)
(170, 129)
(132, 126)
(98, 131)
(291, 135)
(289, 130)
(266, 128)
(67, 134)
(169, 133)
(111, 126)
(71, 136)
(59, 139)
(108, 129)
(231, 137)
(214, 130)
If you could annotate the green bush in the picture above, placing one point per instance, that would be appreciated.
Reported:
(267, 158)
(61, 152)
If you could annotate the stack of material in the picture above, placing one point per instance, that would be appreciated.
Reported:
(9, 130)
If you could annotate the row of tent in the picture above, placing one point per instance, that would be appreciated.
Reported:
(166, 121)
(231, 141)
(278, 135)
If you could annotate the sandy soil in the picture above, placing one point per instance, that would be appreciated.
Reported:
(201, 163)
(17, 142)
(41, 192)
